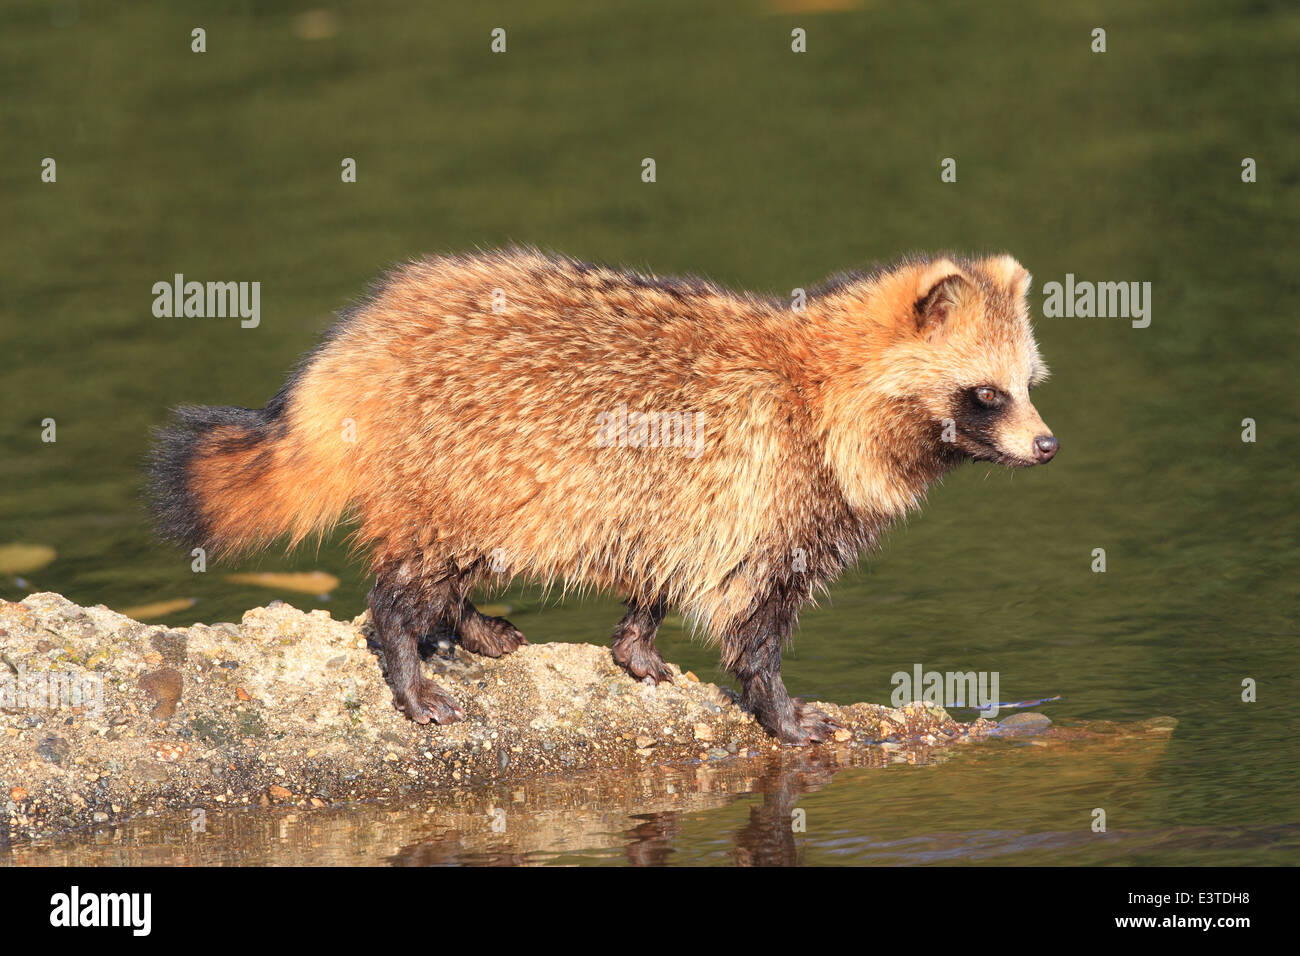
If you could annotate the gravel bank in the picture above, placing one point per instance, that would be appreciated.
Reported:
(289, 707)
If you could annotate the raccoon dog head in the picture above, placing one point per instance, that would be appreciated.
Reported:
(973, 361)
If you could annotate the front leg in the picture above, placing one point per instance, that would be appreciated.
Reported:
(752, 651)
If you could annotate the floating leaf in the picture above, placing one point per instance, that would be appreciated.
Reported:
(18, 558)
(305, 582)
(494, 610)
(145, 612)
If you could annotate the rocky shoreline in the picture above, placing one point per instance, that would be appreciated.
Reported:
(290, 708)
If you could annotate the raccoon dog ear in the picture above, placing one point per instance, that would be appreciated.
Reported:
(1010, 274)
(938, 292)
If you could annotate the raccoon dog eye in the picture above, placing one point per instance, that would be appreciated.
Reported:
(986, 396)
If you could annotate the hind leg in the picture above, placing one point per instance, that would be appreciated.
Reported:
(402, 608)
(634, 642)
(491, 636)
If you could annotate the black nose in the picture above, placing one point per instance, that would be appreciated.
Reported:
(1045, 447)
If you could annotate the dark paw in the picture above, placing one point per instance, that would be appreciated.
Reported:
(806, 725)
(491, 636)
(643, 662)
(426, 701)
(814, 722)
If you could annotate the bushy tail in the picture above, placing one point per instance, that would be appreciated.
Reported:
(234, 479)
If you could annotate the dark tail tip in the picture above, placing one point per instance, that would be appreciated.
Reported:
(173, 504)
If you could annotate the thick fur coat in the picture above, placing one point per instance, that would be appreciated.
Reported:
(514, 413)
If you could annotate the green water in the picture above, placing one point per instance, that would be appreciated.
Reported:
(774, 169)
